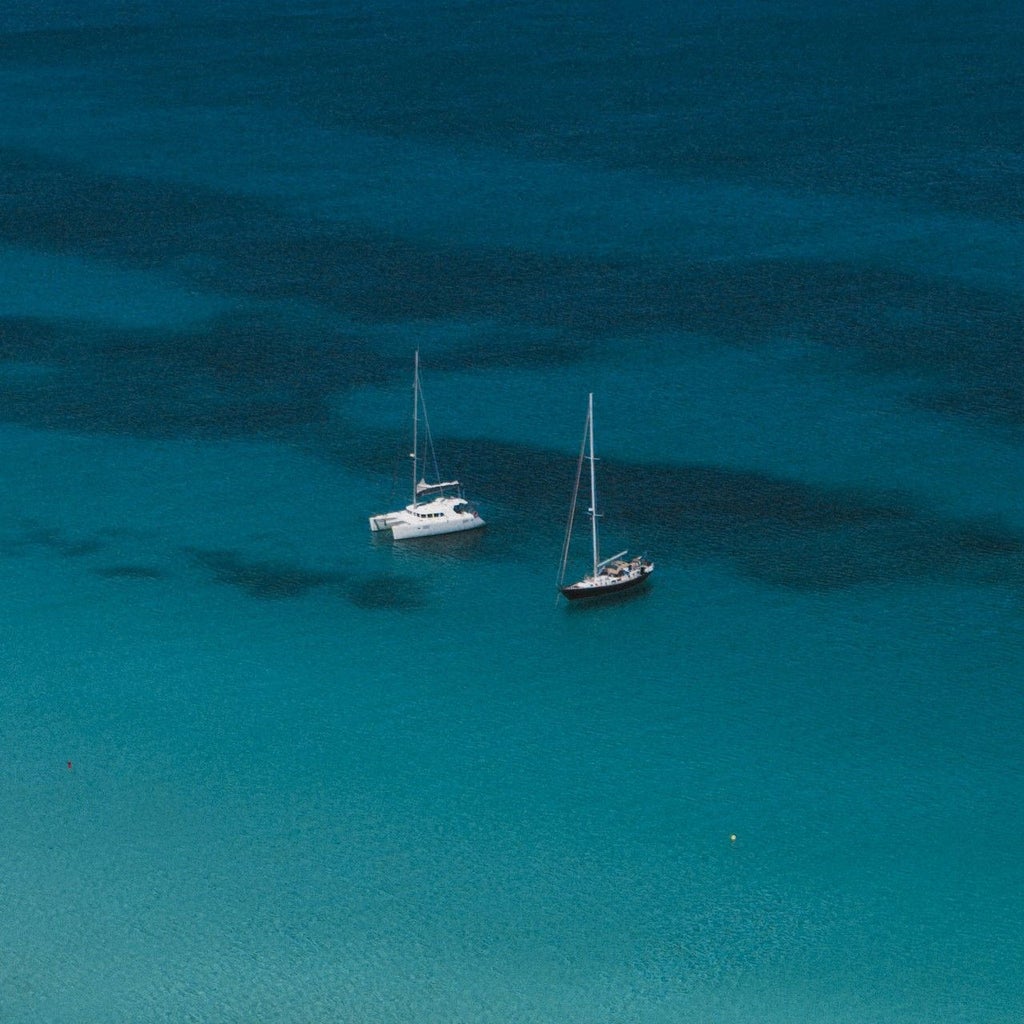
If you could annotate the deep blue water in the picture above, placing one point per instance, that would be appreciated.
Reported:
(261, 766)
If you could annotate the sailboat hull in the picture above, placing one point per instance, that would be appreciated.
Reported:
(612, 575)
(633, 575)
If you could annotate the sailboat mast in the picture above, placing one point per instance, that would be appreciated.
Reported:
(415, 421)
(593, 482)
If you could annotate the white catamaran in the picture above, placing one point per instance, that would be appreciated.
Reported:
(436, 507)
(610, 575)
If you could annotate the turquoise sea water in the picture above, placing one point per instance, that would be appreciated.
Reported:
(259, 765)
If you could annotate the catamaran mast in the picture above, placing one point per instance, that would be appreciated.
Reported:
(593, 483)
(415, 422)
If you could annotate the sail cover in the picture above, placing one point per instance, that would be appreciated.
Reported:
(424, 488)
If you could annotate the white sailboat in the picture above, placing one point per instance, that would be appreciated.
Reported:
(609, 575)
(436, 508)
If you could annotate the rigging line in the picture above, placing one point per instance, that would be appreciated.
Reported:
(428, 437)
(572, 506)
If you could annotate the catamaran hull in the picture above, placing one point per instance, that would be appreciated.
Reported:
(411, 526)
(414, 531)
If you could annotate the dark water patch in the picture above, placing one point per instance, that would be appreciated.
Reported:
(735, 92)
(509, 349)
(961, 343)
(709, 493)
(783, 532)
(78, 548)
(56, 540)
(809, 536)
(25, 339)
(832, 99)
(998, 404)
(221, 242)
(925, 549)
(388, 593)
(59, 206)
(130, 572)
(250, 249)
(527, 478)
(262, 579)
(242, 247)
(979, 539)
(242, 377)
(887, 320)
